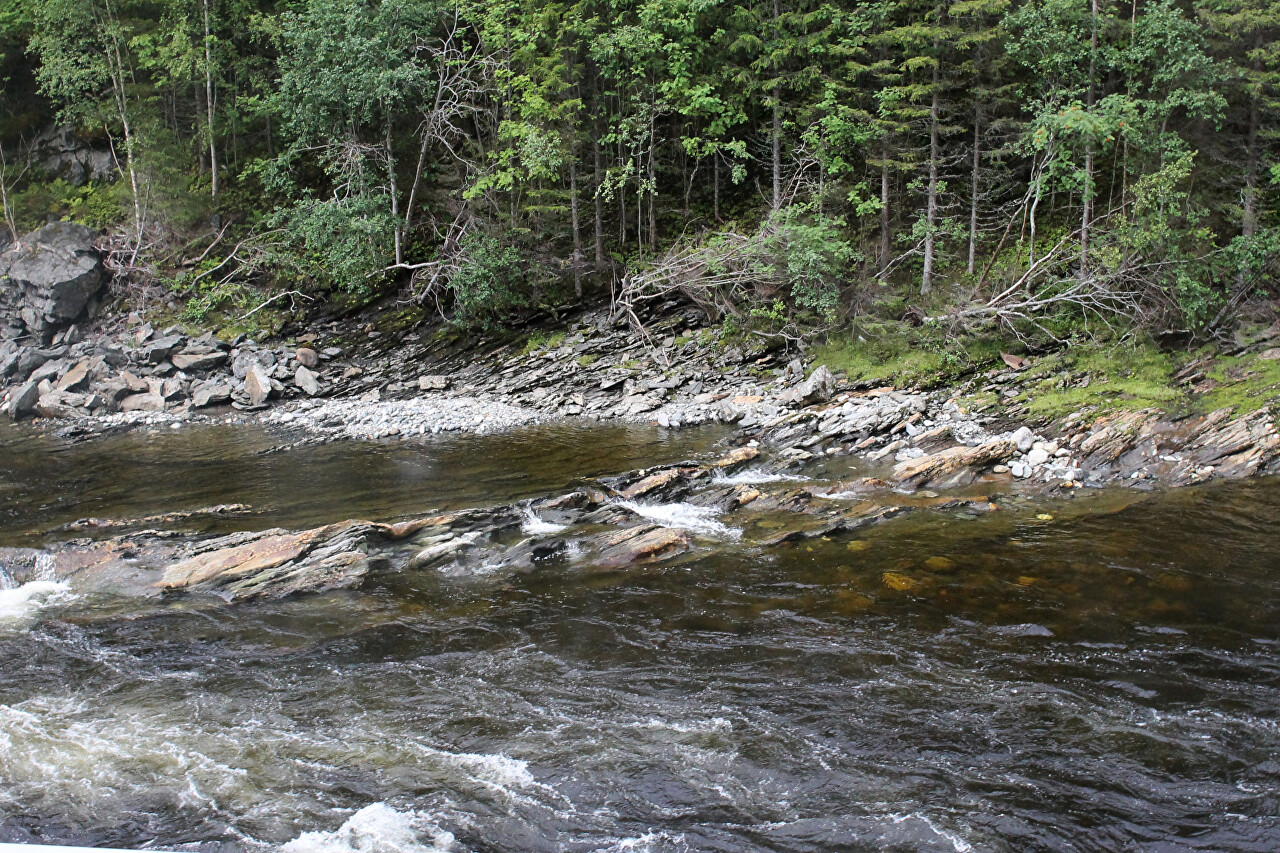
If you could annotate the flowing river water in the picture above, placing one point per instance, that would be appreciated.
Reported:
(1096, 674)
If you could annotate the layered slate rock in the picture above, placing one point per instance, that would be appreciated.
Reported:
(50, 279)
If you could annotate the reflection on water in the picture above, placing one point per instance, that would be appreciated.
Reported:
(1101, 678)
(45, 483)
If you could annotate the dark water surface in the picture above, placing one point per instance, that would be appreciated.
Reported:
(1107, 678)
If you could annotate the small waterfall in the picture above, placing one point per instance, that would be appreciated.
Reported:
(45, 568)
(534, 526)
(698, 519)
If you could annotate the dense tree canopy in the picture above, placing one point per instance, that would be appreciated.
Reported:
(1003, 156)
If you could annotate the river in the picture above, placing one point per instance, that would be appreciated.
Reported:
(1095, 674)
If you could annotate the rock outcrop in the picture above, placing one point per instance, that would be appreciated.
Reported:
(50, 279)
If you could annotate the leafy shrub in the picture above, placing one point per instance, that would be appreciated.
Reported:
(487, 285)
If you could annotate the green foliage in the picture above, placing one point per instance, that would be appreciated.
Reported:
(813, 256)
(342, 244)
(898, 354)
(487, 286)
(98, 205)
(1114, 376)
(576, 140)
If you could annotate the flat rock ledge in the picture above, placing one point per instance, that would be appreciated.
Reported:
(649, 517)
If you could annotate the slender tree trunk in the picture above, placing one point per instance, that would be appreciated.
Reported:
(777, 125)
(210, 104)
(1035, 204)
(1249, 222)
(577, 234)
(622, 201)
(413, 190)
(201, 153)
(599, 200)
(973, 189)
(119, 76)
(1249, 219)
(931, 211)
(715, 191)
(884, 211)
(1086, 206)
(653, 188)
(640, 201)
(777, 147)
(395, 195)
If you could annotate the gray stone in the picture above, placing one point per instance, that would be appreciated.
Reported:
(433, 383)
(61, 404)
(210, 394)
(49, 279)
(819, 387)
(199, 362)
(1023, 438)
(1037, 457)
(76, 378)
(160, 349)
(24, 400)
(257, 384)
(307, 358)
(306, 380)
(142, 403)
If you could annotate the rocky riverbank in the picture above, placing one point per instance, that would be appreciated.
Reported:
(82, 372)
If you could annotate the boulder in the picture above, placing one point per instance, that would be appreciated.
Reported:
(735, 459)
(23, 400)
(307, 357)
(955, 465)
(210, 394)
(61, 404)
(142, 403)
(643, 544)
(48, 280)
(433, 383)
(257, 384)
(76, 378)
(306, 380)
(160, 349)
(818, 388)
(199, 362)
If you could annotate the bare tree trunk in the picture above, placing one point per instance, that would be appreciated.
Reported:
(777, 147)
(599, 200)
(715, 191)
(884, 211)
(395, 196)
(9, 220)
(1086, 205)
(931, 211)
(777, 124)
(653, 189)
(119, 74)
(973, 189)
(413, 190)
(1249, 222)
(208, 99)
(577, 234)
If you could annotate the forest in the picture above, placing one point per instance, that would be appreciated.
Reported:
(1035, 164)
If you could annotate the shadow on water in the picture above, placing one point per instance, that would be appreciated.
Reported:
(1104, 678)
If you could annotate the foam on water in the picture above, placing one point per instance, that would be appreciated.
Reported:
(650, 842)
(20, 603)
(699, 519)
(534, 526)
(376, 828)
(753, 477)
